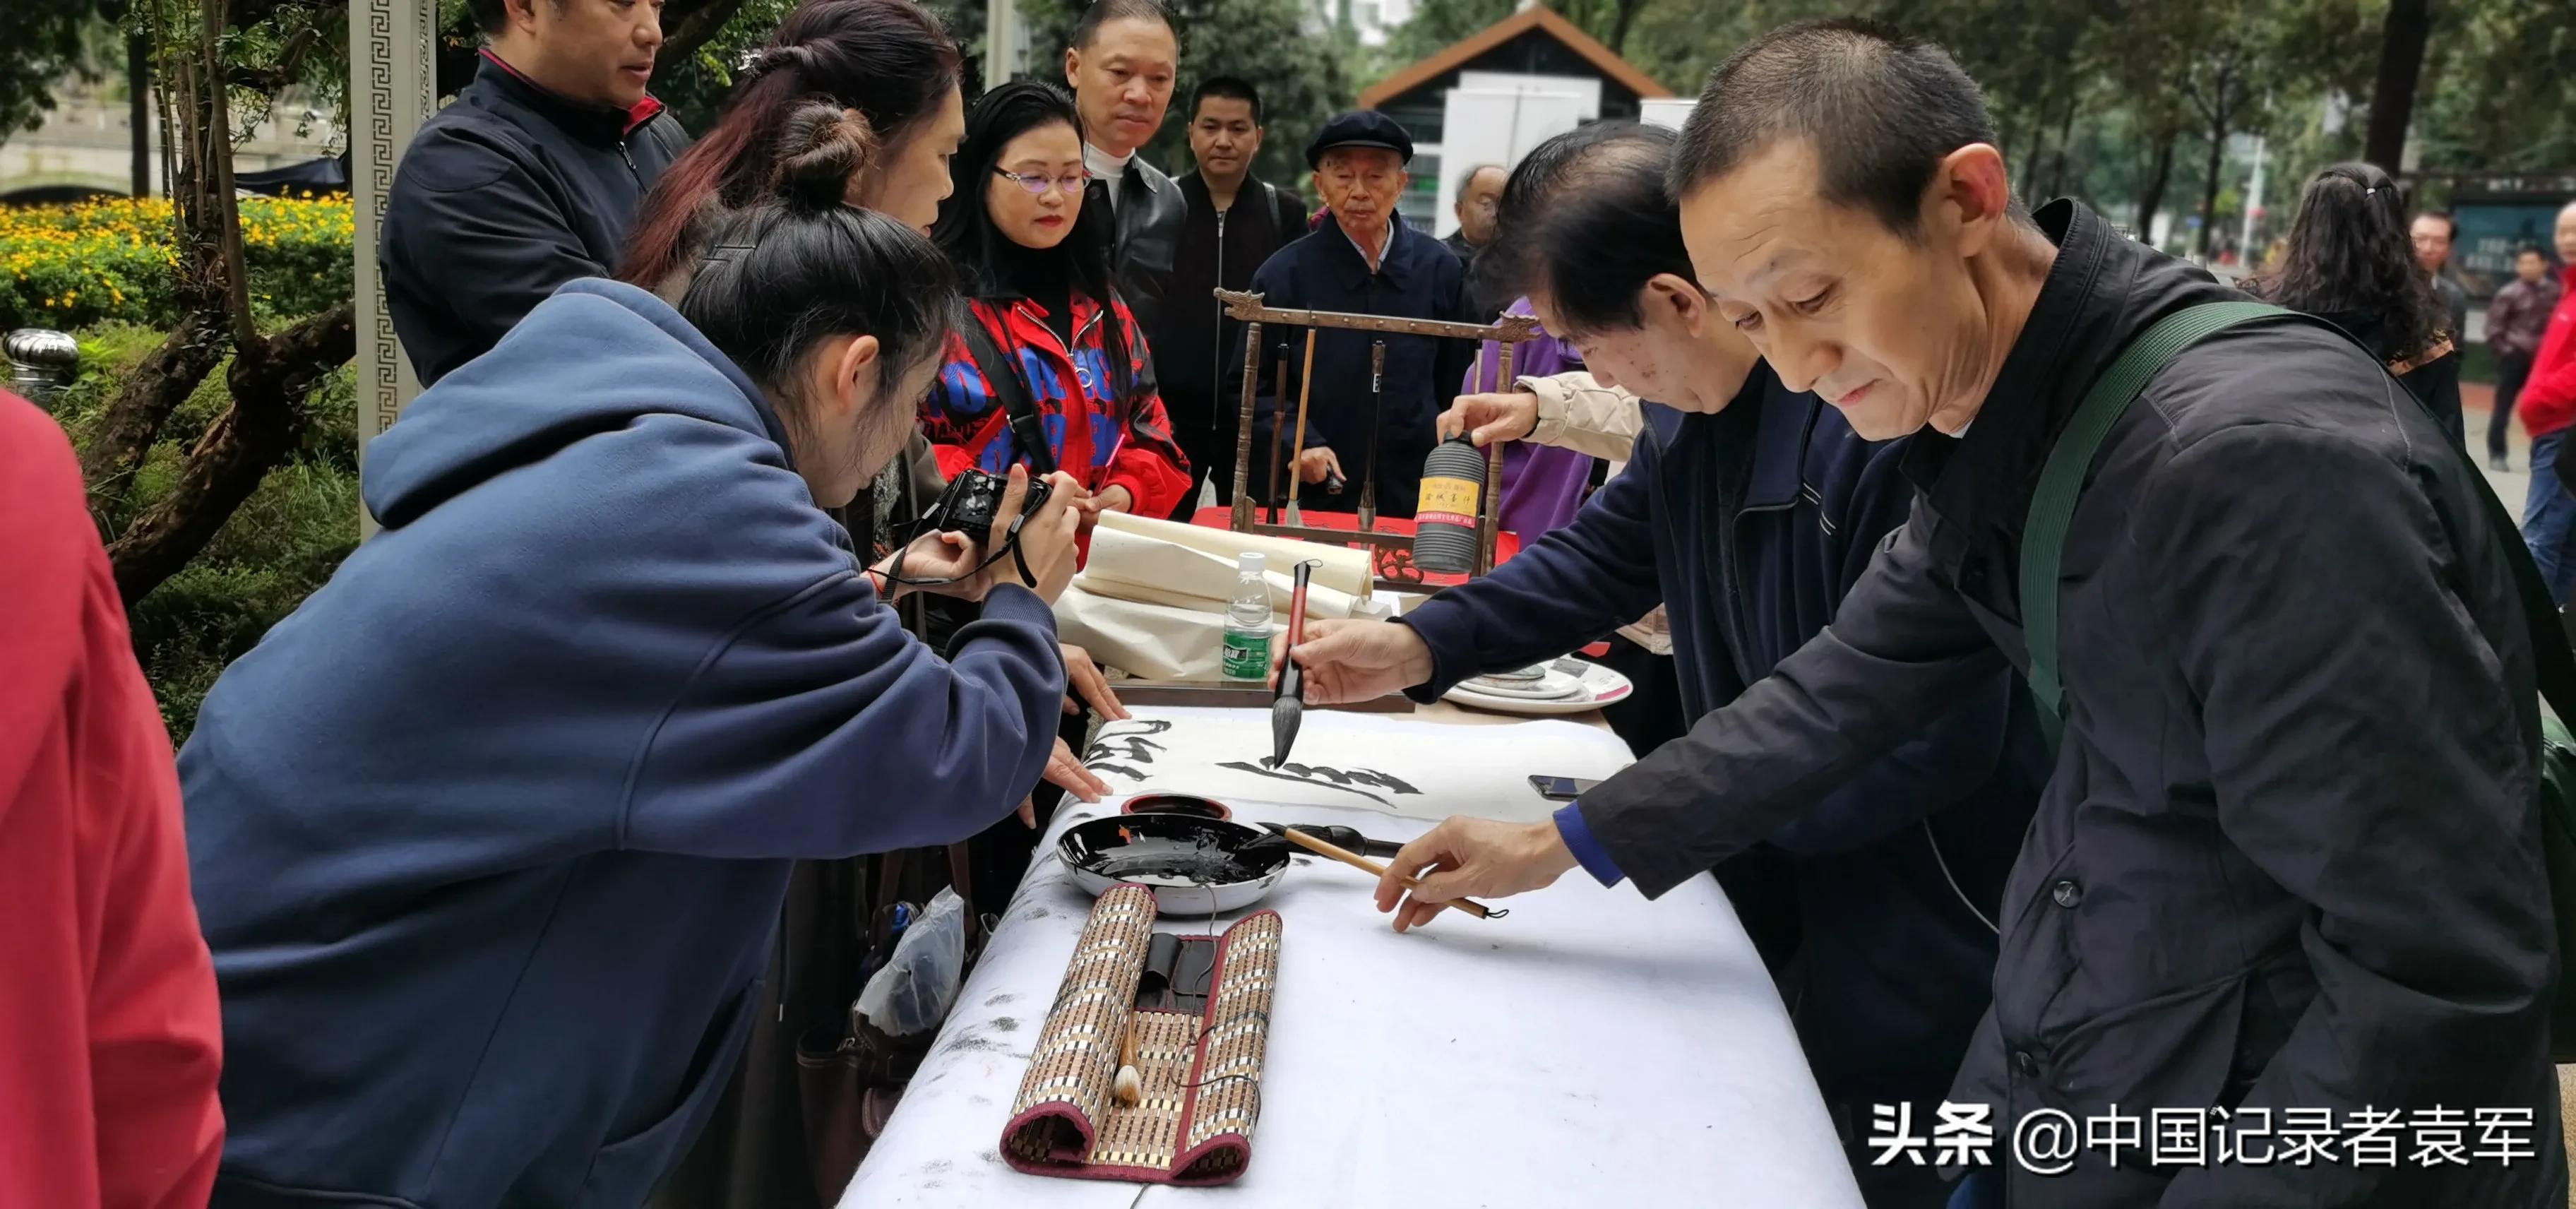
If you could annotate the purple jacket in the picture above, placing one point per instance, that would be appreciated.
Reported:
(1542, 485)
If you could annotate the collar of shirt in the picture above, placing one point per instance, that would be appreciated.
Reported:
(1384, 255)
(2078, 309)
(1108, 169)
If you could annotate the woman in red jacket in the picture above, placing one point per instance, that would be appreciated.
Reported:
(1049, 331)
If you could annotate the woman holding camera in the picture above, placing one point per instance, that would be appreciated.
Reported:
(1048, 368)
(490, 838)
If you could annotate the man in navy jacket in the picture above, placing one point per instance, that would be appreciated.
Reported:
(1749, 518)
(1366, 261)
(530, 179)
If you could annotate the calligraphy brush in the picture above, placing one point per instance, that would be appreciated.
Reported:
(1356, 861)
(1288, 707)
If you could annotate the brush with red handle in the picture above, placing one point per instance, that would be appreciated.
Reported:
(1288, 707)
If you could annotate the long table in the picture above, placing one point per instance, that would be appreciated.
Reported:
(1591, 1048)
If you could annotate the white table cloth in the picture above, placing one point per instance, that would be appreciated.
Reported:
(1592, 1049)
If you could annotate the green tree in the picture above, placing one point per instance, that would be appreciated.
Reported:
(48, 42)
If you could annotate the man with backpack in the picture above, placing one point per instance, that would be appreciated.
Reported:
(2287, 882)
(1236, 220)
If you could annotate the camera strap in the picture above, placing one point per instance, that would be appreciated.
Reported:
(1019, 411)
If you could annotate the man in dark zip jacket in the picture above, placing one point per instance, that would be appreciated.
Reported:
(1236, 221)
(528, 180)
(2286, 881)
(1749, 518)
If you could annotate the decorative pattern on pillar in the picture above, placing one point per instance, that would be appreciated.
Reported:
(393, 73)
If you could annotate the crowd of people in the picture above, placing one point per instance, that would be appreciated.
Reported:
(492, 869)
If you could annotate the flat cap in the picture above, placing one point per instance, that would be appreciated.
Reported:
(1360, 128)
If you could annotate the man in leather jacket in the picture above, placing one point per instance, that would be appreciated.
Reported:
(1121, 67)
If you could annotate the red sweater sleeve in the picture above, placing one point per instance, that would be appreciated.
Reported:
(1149, 463)
(110, 1041)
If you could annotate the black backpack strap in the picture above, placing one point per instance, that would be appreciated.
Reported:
(1287, 213)
(1028, 430)
(2061, 481)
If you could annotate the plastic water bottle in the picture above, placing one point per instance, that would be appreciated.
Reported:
(1247, 621)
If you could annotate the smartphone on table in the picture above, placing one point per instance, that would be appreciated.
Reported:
(1560, 789)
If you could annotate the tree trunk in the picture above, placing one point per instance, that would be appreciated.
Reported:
(2402, 39)
(143, 402)
(270, 375)
(261, 429)
(2057, 163)
(2152, 198)
(1626, 16)
(690, 24)
(138, 109)
(2209, 182)
(2029, 178)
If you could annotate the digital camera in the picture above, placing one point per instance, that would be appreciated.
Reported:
(972, 499)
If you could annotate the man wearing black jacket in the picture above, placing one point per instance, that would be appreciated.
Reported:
(529, 179)
(2289, 866)
(1221, 244)
(1121, 67)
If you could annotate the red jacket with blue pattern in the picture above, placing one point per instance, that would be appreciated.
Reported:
(1101, 441)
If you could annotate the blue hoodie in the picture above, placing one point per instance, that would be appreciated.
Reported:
(490, 837)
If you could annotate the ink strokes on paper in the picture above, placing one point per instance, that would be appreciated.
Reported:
(1351, 780)
(1129, 749)
(1371, 762)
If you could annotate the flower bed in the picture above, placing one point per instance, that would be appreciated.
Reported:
(112, 260)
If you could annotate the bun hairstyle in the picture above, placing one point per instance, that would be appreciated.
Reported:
(800, 266)
(822, 151)
(890, 61)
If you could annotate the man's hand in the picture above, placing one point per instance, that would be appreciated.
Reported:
(1083, 680)
(1490, 418)
(1357, 660)
(1317, 464)
(1064, 770)
(1471, 858)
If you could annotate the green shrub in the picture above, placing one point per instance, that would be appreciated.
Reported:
(283, 542)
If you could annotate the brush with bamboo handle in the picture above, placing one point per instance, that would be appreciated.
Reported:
(1356, 861)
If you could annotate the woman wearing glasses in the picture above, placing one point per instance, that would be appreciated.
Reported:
(1049, 338)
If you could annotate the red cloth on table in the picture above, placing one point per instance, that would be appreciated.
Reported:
(110, 1040)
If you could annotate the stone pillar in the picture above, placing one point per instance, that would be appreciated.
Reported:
(393, 74)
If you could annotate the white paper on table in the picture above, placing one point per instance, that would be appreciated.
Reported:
(1153, 570)
(1147, 641)
(1386, 763)
(1590, 1048)
(1343, 569)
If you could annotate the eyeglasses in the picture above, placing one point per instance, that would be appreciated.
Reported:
(1037, 183)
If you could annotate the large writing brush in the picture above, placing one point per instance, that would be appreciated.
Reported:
(1288, 707)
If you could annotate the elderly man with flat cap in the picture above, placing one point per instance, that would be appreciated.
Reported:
(1367, 261)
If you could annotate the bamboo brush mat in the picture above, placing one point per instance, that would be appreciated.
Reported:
(1201, 1073)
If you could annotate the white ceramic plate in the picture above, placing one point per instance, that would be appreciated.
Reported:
(1598, 686)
